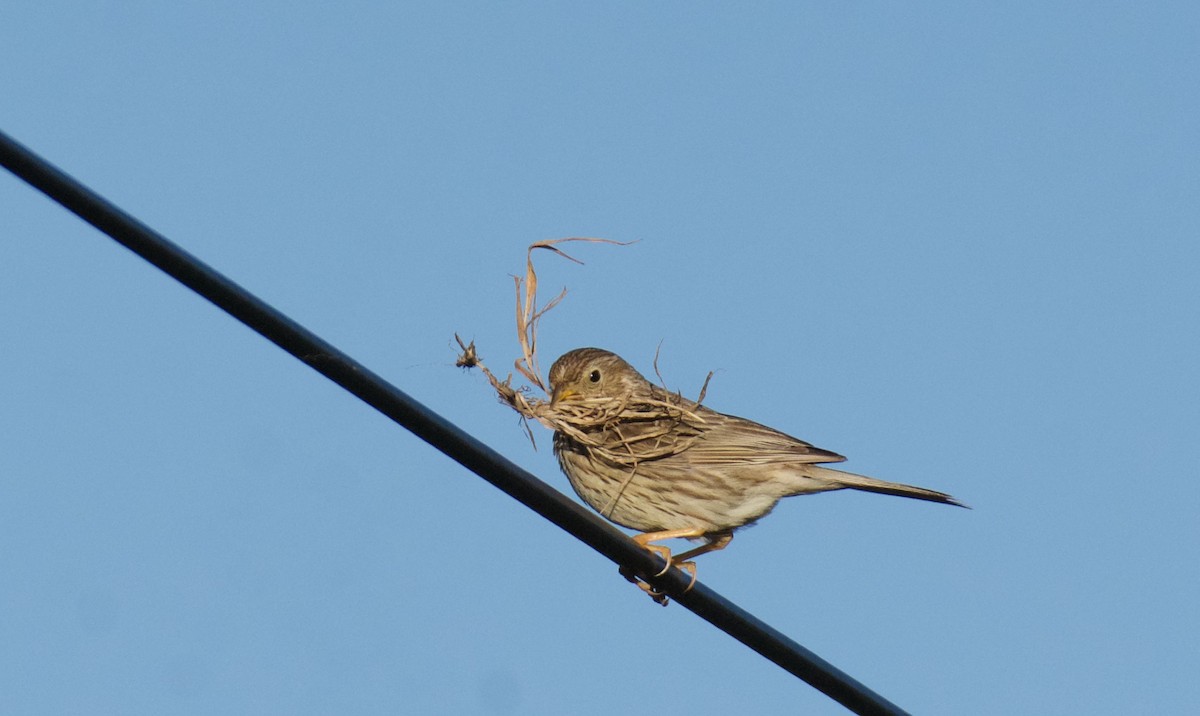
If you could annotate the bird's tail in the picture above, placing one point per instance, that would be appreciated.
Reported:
(842, 479)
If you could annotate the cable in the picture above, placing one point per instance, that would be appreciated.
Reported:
(436, 430)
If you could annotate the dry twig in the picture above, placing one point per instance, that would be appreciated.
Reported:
(587, 421)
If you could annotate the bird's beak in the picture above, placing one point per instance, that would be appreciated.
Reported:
(561, 394)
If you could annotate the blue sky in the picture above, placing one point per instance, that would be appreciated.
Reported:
(957, 244)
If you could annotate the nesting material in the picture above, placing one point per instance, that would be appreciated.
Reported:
(591, 422)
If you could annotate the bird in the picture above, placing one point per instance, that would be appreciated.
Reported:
(668, 467)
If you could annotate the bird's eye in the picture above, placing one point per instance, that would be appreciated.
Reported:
(594, 376)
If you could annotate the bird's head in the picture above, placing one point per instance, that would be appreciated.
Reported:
(591, 373)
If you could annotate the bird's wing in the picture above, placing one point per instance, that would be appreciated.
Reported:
(729, 440)
(707, 437)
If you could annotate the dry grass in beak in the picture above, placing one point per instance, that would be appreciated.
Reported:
(568, 411)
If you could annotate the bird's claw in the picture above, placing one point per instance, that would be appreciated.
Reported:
(655, 594)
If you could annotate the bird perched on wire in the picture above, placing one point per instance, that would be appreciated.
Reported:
(668, 467)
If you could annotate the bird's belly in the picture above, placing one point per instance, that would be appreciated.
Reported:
(634, 499)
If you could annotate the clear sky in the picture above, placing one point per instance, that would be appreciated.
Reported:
(959, 244)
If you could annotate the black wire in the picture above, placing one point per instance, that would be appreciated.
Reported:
(434, 429)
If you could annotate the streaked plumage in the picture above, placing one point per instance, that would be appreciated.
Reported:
(688, 471)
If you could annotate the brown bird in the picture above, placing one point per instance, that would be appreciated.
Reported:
(656, 462)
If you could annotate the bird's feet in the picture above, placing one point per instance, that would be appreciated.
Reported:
(644, 541)
(660, 597)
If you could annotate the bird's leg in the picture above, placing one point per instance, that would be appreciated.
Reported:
(684, 560)
(644, 540)
(713, 544)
